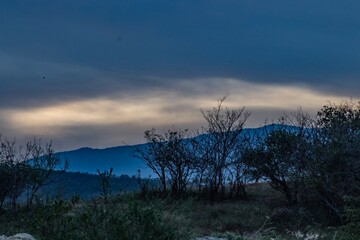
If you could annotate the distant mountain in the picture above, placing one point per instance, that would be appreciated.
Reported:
(88, 160)
(120, 158)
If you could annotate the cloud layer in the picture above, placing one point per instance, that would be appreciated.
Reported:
(77, 69)
(119, 119)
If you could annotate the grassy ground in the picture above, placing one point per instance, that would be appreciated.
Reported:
(264, 215)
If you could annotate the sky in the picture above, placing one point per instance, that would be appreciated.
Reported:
(99, 73)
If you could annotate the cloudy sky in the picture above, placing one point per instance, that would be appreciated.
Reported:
(98, 73)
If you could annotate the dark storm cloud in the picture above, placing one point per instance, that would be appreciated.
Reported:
(61, 50)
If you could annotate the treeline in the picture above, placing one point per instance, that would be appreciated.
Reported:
(313, 161)
(66, 185)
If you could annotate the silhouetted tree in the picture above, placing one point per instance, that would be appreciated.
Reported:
(42, 161)
(279, 158)
(104, 183)
(217, 144)
(25, 169)
(170, 156)
(335, 167)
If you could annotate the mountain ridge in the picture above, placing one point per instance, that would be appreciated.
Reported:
(122, 159)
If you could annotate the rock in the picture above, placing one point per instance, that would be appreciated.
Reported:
(22, 236)
(19, 236)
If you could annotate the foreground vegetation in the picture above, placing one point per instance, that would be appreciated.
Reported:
(265, 215)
